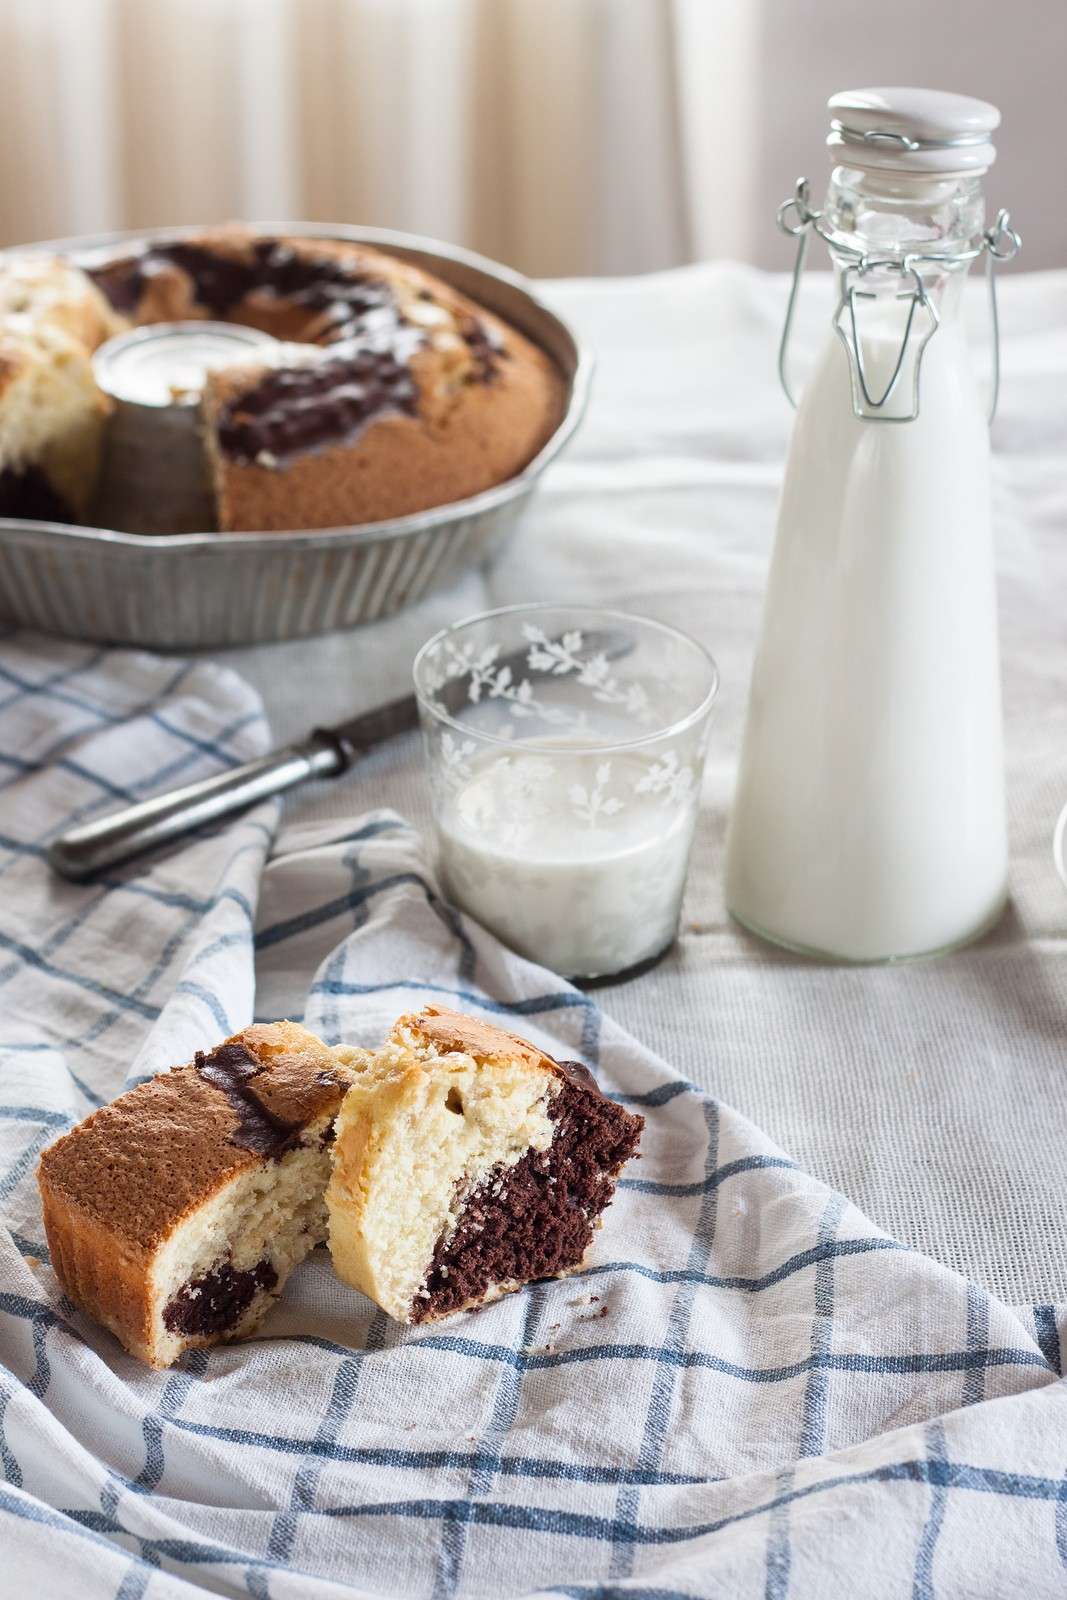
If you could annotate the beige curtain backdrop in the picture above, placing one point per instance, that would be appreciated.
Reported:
(549, 133)
(564, 136)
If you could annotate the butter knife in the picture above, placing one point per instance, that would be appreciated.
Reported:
(91, 847)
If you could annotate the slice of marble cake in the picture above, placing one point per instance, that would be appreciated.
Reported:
(467, 1163)
(175, 1214)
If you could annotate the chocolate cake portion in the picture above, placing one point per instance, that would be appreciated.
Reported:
(535, 1219)
(217, 1301)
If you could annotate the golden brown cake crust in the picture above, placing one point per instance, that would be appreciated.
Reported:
(136, 1167)
(446, 1030)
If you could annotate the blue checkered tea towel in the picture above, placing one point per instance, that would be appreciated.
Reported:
(748, 1391)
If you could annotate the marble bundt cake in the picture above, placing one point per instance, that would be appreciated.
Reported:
(389, 392)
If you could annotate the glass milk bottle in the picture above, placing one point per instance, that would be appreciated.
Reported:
(868, 821)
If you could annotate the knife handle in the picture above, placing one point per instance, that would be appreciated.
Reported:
(92, 846)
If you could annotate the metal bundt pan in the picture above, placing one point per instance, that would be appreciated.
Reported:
(190, 590)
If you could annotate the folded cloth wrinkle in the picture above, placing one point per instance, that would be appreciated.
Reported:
(747, 1389)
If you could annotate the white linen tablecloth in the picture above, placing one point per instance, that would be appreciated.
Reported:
(749, 1389)
(933, 1095)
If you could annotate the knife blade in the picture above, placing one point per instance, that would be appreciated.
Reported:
(90, 848)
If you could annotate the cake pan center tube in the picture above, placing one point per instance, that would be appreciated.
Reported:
(154, 476)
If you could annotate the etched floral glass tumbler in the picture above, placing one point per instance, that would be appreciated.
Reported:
(566, 747)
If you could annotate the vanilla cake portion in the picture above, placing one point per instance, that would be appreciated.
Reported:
(52, 414)
(467, 1163)
(175, 1214)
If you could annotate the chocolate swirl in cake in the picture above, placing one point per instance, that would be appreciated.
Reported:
(231, 1068)
(221, 281)
(535, 1219)
(295, 409)
(486, 352)
(216, 1302)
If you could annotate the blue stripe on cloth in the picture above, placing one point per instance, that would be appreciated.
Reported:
(711, 1180)
(163, 897)
(25, 688)
(870, 1365)
(658, 1414)
(23, 1163)
(210, 1002)
(923, 1582)
(48, 689)
(25, 768)
(363, 889)
(1047, 1331)
(214, 748)
(766, 1280)
(865, 1363)
(657, 1097)
(29, 1247)
(340, 906)
(950, 1475)
(346, 1386)
(199, 907)
(134, 1584)
(607, 1530)
(595, 1590)
(977, 1338)
(816, 1391)
(49, 1119)
(17, 1047)
(24, 847)
(65, 1522)
(9, 1465)
(449, 1562)
(545, 1468)
(154, 780)
(1061, 1522)
(41, 1320)
(124, 1002)
(539, 1519)
(535, 1006)
(108, 1019)
(779, 1555)
(176, 1391)
(328, 1021)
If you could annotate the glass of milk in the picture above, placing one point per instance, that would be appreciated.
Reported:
(566, 747)
(155, 476)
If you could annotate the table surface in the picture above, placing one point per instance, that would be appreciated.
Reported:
(933, 1094)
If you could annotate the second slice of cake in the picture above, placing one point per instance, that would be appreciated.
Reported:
(467, 1163)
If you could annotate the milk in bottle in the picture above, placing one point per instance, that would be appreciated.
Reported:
(868, 820)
